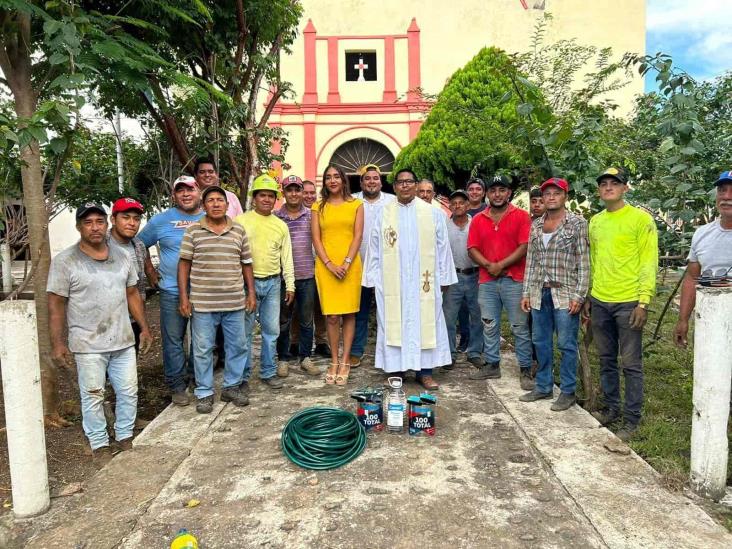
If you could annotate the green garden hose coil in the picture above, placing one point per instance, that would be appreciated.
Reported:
(323, 438)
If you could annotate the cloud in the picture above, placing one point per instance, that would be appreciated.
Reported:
(695, 34)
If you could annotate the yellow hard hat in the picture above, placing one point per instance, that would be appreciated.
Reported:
(265, 182)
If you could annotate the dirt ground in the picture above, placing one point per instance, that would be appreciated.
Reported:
(68, 453)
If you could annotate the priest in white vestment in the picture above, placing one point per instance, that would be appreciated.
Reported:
(409, 262)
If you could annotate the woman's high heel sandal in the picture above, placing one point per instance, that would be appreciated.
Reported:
(330, 379)
(341, 379)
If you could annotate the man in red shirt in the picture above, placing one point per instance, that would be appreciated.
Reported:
(497, 242)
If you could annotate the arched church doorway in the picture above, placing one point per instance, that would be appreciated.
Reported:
(359, 152)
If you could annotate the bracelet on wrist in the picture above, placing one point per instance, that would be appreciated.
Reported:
(329, 261)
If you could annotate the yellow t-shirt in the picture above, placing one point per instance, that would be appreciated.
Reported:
(623, 255)
(269, 241)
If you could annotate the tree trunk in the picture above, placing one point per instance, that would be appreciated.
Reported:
(31, 172)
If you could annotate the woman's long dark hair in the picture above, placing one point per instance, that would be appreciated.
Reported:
(325, 193)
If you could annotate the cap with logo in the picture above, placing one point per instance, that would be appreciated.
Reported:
(555, 182)
(477, 180)
(211, 188)
(369, 168)
(459, 193)
(186, 180)
(265, 182)
(89, 207)
(724, 177)
(292, 180)
(616, 173)
(499, 180)
(126, 204)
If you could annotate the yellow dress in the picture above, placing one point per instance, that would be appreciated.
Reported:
(337, 224)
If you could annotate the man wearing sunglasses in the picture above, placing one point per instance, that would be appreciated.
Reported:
(710, 255)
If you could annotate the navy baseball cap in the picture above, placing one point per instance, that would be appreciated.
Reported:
(499, 180)
(85, 209)
(724, 177)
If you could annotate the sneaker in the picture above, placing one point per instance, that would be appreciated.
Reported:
(564, 402)
(605, 416)
(235, 396)
(101, 456)
(627, 431)
(477, 361)
(322, 350)
(205, 405)
(307, 366)
(527, 384)
(181, 398)
(354, 361)
(535, 395)
(487, 371)
(283, 369)
(273, 383)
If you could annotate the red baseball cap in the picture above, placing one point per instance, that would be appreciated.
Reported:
(292, 180)
(556, 182)
(126, 204)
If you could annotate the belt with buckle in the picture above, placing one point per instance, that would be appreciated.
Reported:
(467, 271)
(267, 277)
(552, 284)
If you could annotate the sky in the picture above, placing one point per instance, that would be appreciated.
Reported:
(696, 33)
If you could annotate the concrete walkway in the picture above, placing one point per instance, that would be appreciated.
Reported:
(499, 473)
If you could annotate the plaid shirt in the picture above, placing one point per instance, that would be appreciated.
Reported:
(564, 264)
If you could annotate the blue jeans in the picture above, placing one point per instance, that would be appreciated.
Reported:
(176, 368)
(464, 322)
(93, 369)
(494, 296)
(361, 336)
(465, 291)
(204, 327)
(546, 321)
(268, 314)
(302, 307)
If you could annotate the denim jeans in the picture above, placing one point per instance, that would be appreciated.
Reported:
(302, 307)
(268, 314)
(612, 334)
(465, 326)
(361, 336)
(204, 327)
(93, 369)
(464, 291)
(546, 321)
(176, 368)
(494, 296)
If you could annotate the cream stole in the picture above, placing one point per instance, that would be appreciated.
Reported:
(391, 274)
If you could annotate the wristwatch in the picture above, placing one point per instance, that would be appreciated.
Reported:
(643, 306)
(348, 260)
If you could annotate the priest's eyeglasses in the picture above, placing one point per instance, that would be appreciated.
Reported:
(404, 182)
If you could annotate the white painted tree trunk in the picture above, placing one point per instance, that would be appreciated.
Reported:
(21, 373)
(7, 266)
(712, 374)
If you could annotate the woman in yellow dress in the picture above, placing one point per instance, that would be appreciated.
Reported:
(337, 225)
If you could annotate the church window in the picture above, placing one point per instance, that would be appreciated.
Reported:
(360, 66)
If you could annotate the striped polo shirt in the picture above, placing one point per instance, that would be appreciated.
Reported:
(217, 283)
(301, 238)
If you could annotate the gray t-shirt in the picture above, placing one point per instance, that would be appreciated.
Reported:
(458, 237)
(711, 247)
(96, 310)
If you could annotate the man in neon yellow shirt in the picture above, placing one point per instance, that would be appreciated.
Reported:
(269, 241)
(624, 262)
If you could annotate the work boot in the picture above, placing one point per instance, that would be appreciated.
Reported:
(244, 387)
(564, 402)
(181, 398)
(527, 384)
(535, 395)
(307, 366)
(428, 383)
(627, 431)
(322, 350)
(101, 456)
(273, 383)
(477, 361)
(205, 405)
(124, 445)
(283, 369)
(235, 396)
(487, 371)
(606, 416)
(354, 361)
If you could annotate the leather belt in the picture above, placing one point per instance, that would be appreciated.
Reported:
(267, 277)
(552, 284)
(467, 271)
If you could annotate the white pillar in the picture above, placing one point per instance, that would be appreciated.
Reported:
(21, 373)
(7, 267)
(712, 374)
